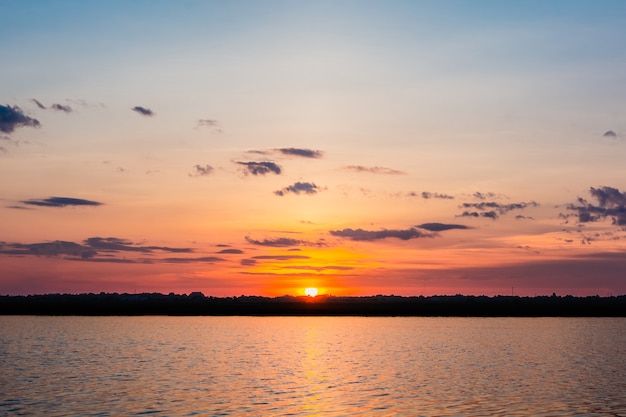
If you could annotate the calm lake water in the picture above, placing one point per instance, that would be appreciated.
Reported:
(301, 366)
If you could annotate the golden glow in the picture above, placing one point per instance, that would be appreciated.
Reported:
(311, 292)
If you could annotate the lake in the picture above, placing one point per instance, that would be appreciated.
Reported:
(304, 366)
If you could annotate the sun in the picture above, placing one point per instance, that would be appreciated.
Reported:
(311, 292)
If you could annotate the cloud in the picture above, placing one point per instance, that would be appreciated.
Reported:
(299, 188)
(305, 153)
(611, 202)
(231, 251)
(204, 259)
(440, 227)
(520, 217)
(56, 106)
(97, 250)
(61, 107)
(261, 168)
(492, 209)
(61, 202)
(484, 196)
(488, 214)
(211, 124)
(428, 195)
(38, 103)
(371, 235)
(283, 242)
(373, 170)
(114, 244)
(12, 117)
(281, 257)
(143, 111)
(248, 262)
(609, 134)
(207, 122)
(201, 171)
(52, 249)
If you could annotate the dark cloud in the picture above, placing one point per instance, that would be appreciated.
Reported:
(428, 195)
(143, 111)
(38, 103)
(231, 251)
(610, 134)
(440, 227)
(305, 153)
(281, 257)
(488, 214)
(201, 171)
(248, 262)
(61, 202)
(371, 235)
(299, 188)
(283, 242)
(52, 249)
(373, 170)
(611, 203)
(113, 244)
(520, 217)
(261, 168)
(61, 107)
(204, 259)
(12, 117)
(492, 209)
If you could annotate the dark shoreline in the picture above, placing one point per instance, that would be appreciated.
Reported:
(196, 304)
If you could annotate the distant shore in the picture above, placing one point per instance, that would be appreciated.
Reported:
(196, 304)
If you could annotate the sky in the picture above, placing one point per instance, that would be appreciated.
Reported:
(359, 147)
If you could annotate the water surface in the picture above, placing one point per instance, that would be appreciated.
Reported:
(299, 366)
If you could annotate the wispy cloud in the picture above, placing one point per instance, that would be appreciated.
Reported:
(207, 123)
(305, 153)
(204, 259)
(97, 249)
(143, 111)
(484, 196)
(609, 134)
(12, 117)
(373, 170)
(210, 124)
(231, 251)
(299, 188)
(492, 209)
(201, 171)
(115, 244)
(56, 106)
(260, 168)
(283, 242)
(428, 195)
(440, 227)
(281, 257)
(488, 214)
(372, 235)
(38, 103)
(61, 202)
(61, 107)
(52, 249)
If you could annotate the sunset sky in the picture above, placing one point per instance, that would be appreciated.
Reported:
(360, 147)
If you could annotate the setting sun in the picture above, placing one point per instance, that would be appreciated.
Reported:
(311, 292)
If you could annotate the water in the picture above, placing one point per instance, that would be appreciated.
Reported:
(301, 366)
